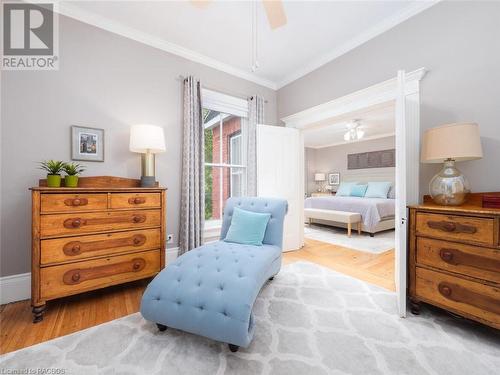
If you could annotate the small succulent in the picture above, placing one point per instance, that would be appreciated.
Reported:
(53, 167)
(73, 169)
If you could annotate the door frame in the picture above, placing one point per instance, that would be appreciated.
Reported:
(376, 95)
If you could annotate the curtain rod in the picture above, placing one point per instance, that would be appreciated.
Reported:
(182, 78)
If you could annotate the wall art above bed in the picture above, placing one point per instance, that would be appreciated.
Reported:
(374, 159)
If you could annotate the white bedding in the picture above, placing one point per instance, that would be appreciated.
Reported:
(372, 210)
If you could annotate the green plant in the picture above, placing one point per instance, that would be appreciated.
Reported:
(53, 167)
(73, 169)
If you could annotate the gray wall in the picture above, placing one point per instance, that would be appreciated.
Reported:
(459, 43)
(105, 81)
(334, 159)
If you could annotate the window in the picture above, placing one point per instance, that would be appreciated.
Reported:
(225, 169)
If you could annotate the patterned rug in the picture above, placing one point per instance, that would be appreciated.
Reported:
(381, 242)
(310, 320)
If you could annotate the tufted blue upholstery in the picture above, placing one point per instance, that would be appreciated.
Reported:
(210, 290)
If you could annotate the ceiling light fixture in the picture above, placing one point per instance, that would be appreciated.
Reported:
(354, 133)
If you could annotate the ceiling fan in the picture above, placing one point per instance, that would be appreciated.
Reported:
(274, 9)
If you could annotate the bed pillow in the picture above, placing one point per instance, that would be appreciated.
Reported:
(344, 189)
(378, 189)
(247, 227)
(392, 192)
(358, 190)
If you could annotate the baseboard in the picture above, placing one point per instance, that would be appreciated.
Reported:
(15, 288)
(18, 287)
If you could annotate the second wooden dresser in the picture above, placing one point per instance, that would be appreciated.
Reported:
(108, 231)
(454, 259)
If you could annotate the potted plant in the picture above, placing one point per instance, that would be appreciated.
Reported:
(72, 170)
(53, 168)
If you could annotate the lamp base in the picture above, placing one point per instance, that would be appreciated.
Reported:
(449, 187)
(148, 181)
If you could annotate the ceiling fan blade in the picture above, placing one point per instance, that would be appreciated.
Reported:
(202, 4)
(275, 12)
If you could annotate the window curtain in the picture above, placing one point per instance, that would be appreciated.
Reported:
(193, 169)
(255, 116)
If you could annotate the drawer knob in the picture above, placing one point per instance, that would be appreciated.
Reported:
(136, 266)
(444, 289)
(75, 277)
(137, 200)
(76, 223)
(76, 249)
(446, 255)
(138, 219)
(137, 240)
(76, 202)
(448, 226)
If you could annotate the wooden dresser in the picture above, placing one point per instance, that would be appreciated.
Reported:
(454, 259)
(107, 231)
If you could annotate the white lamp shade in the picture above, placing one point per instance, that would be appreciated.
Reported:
(459, 142)
(319, 177)
(147, 137)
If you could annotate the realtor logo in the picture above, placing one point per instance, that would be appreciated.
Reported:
(29, 36)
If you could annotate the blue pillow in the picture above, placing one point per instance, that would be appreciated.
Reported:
(377, 189)
(247, 227)
(344, 189)
(358, 190)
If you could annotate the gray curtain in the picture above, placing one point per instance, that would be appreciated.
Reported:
(255, 116)
(193, 169)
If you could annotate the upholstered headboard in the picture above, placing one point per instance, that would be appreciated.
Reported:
(384, 174)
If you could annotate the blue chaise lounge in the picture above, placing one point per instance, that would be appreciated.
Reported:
(210, 290)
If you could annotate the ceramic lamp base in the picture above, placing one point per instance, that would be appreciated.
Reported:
(148, 181)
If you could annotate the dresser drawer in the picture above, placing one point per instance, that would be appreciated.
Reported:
(73, 202)
(469, 260)
(84, 247)
(78, 223)
(462, 296)
(453, 227)
(72, 278)
(135, 200)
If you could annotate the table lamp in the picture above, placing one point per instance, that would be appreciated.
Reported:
(147, 140)
(450, 143)
(319, 178)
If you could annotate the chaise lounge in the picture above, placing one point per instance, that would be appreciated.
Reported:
(210, 290)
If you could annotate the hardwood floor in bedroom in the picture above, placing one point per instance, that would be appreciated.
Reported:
(72, 314)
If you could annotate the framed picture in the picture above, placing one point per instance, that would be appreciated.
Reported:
(87, 144)
(334, 178)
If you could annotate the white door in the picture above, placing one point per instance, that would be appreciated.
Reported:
(280, 174)
(401, 210)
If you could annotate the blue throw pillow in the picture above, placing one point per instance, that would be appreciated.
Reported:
(377, 189)
(247, 227)
(358, 190)
(344, 189)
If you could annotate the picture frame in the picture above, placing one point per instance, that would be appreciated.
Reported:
(334, 179)
(87, 144)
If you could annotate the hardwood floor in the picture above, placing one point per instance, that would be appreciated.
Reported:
(68, 315)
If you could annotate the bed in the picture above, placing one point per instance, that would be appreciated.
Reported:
(377, 214)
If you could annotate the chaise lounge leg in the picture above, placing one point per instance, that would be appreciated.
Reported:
(161, 327)
(233, 348)
(372, 234)
(271, 278)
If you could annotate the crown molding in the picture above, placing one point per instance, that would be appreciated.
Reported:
(73, 11)
(375, 31)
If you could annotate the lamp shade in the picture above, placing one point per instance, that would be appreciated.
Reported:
(459, 142)
(145, 138)
(319, 177)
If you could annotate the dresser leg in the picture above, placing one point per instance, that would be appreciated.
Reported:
(38, 312)
(415, 306)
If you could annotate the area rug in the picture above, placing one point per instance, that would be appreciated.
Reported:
(380, 243)
(310, 320)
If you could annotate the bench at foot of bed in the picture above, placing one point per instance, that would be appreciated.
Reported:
(210, 290)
